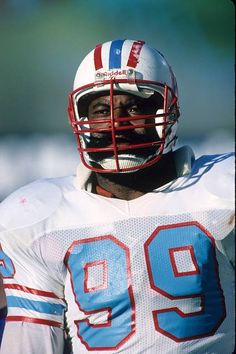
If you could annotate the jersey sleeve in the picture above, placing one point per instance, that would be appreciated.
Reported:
(219, 173)
(221, 183)
(35, 319)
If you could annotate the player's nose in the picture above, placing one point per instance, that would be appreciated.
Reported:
(120, 112)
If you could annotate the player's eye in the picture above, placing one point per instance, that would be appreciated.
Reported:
(135, 109)
(101, 111)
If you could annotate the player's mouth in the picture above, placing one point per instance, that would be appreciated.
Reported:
(104, 140)
(121, 142)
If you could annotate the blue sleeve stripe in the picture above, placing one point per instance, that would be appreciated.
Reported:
(115, 54)
(38, 306)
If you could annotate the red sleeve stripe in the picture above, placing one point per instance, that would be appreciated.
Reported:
(34, 320)
(98, 57)
(30, 290)
(134, 53)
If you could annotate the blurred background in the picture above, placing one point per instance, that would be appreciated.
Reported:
(42, 43)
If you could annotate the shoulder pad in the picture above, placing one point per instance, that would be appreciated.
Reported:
(29, 204)
(218, 173)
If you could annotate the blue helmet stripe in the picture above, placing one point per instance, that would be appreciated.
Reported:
(115, 54)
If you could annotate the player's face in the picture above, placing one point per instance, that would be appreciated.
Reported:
(124, 105)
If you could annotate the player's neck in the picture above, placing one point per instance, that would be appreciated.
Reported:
(128, 186)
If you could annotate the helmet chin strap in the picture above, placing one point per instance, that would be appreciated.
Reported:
(125, 161)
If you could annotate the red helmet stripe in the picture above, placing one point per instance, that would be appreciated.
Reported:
(98, 57)
(134, 53)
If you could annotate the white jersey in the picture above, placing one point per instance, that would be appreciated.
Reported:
(146, 276)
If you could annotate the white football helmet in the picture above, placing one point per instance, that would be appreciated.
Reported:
(128, 67)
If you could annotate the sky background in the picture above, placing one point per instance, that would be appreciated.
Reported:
(43, 42)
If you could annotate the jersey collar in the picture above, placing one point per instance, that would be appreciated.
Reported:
(86, 180)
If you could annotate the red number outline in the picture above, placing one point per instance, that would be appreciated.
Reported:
(201, 296)
(109, 310)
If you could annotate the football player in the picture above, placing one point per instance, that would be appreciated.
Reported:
(135, 248)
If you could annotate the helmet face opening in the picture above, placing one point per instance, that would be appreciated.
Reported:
(132, 139)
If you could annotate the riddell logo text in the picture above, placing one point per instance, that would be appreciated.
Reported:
(114, 73)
